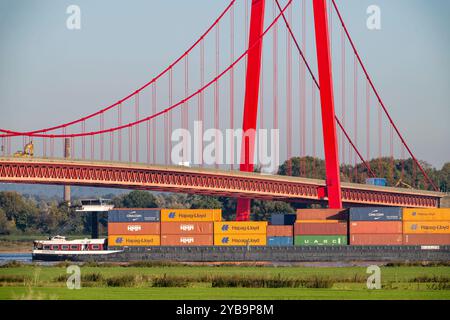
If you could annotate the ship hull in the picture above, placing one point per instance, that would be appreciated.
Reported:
(260, 254)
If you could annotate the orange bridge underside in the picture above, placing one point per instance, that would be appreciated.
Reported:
(202, 181)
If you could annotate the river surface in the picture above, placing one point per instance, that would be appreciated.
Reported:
(19, 257)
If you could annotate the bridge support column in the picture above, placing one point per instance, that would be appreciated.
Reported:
(333, 180)
(251, 99)
(94, 225)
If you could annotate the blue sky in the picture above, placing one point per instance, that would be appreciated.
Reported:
(49, 74)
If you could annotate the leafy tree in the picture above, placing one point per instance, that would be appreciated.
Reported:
(23, 211)
(307, 167)
(53, 217)
(136, 199)
(262, 210)
(444, 179)
(5, 224)
(402, 173)
(204, 202)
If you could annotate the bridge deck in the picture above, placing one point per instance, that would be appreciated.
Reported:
(202, 181)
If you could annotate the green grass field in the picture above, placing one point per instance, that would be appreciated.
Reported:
(197, 282)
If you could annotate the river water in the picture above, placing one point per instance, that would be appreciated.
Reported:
(19, 257)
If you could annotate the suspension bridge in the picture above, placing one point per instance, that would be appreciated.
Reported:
(259, 65)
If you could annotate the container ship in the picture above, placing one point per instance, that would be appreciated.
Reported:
(310, 235)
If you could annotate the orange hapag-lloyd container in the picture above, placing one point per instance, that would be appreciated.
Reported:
(133, 228)
(187, 228)
(240, 227)
(187, 240)
(280, 231)
(423, 227)
(180, 215)
(375, 227)
(426, 214)
(134, 241)
(240, 239)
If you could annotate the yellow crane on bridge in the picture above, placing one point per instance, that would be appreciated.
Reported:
(28, 151)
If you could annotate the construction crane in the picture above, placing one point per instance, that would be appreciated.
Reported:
(400, 182)
(28, 151)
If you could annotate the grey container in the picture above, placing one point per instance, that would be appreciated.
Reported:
(376, 214)
(279, 219)
(134, 215)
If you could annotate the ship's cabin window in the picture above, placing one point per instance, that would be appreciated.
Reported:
(55, 247)
(95, 247)
(47, 248)
(64, 247)
(74, 247)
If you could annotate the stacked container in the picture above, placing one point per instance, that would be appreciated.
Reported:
(280, 232)
(375, 226)
(320, 227)
(134, 227)
(240, 233)
(188, 227)
(426, 226)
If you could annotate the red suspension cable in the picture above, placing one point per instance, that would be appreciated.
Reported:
(154, 108)
(116, 104)
(379, 97)
(367, 120)
(136, 105)
(232, 85)
(289, 94)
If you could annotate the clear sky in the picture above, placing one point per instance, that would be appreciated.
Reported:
(49, 74)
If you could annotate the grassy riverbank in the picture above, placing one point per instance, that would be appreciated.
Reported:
(173, 281)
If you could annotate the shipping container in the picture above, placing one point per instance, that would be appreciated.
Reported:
(322, 214)
(187, 228)
(280, 231)
(320, 228)
(244, 227)
(135, 241)
(206, 215)
(130, 228)
(187, 240)
(436, 227)
(426, 214)
(240, 239)
(280, 241)
(283, 219)
(134, 215)
(370, 227)
(376, 214)
(426, 239)
(320, 240)
(376, 239)
(320, 221)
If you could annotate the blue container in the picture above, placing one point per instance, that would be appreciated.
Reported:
(278, 219)
(280, 241)
(131, 215)
(377, 182)
(376, 214)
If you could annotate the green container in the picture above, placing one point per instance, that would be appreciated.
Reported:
(315, 240)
